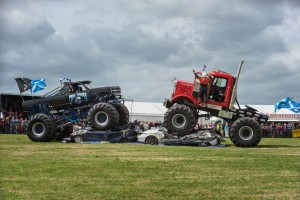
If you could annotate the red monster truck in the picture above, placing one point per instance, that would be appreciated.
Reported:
(184, 110)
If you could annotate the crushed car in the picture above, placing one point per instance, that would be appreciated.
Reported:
(199, 138)
(152, 136)
(161, 136)
(88, 135)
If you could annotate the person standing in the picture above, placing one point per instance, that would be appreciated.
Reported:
(290, 130)
(204, 84)
(273, 128)
(279, 130)
(219, 128)
(13, 125)
(226, 129)
(2, 124)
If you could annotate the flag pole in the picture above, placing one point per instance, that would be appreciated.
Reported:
(22, 97)
(31, 94)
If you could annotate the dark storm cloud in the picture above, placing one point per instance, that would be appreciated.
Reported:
(268, 83)
(18, 26)
(141, 45)
(129, 42)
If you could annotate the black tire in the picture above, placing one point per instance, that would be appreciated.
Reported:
(245, 132)
(41, 128)
(123, 113)
(103, 116)
(65, 132)
(151, 140)
(180, 119)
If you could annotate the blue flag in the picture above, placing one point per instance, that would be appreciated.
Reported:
(289, 104)
(37, 85)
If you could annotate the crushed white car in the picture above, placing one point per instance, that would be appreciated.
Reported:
(152, 136)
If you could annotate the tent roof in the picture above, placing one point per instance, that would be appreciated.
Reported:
(145, 108)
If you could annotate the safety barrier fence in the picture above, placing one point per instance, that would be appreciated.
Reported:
(13, 128)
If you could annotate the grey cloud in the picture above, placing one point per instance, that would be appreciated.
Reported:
(18, 26)
(141, 45)
(130, 42)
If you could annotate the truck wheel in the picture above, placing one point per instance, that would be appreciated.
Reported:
(180, 119)
(123, 113)
(66, 131)
(103, 116)
(245, 132)
(41, 128)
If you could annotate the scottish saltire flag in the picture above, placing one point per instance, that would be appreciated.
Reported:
(288, 104)
(37, 85)
(24, 84)
(294, 106)
(204, 67)
(64, 79)
(281, 103)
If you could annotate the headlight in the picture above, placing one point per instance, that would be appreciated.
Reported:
(160, 135)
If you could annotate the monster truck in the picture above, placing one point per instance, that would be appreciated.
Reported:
(183, 108)
(53, 115)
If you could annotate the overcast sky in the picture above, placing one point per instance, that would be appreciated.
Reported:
(141, 45)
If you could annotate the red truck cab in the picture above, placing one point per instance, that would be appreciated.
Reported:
(219, 91)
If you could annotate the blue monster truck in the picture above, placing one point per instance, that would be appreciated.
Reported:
(53, 115)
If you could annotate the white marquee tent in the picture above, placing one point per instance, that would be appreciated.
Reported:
(282, 115)
(146, 111)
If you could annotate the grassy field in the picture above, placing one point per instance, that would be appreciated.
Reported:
(31, 170)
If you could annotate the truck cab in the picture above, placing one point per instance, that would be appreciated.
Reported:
(219, 90)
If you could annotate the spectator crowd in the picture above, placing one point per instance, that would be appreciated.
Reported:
(13, 119)
(13, 124)
(276, 130)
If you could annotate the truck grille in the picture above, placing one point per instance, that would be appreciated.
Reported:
(116, 91)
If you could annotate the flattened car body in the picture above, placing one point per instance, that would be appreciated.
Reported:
(200, 138)
(83, 135)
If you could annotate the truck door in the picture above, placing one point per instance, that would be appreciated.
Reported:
(217, 92)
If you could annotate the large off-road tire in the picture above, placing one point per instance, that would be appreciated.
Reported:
(123, 113)
(103, 116)
(245, 132)
(180, 119)
(65, 132)
(41, 128)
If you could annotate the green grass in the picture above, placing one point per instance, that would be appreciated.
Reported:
(32, 170)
